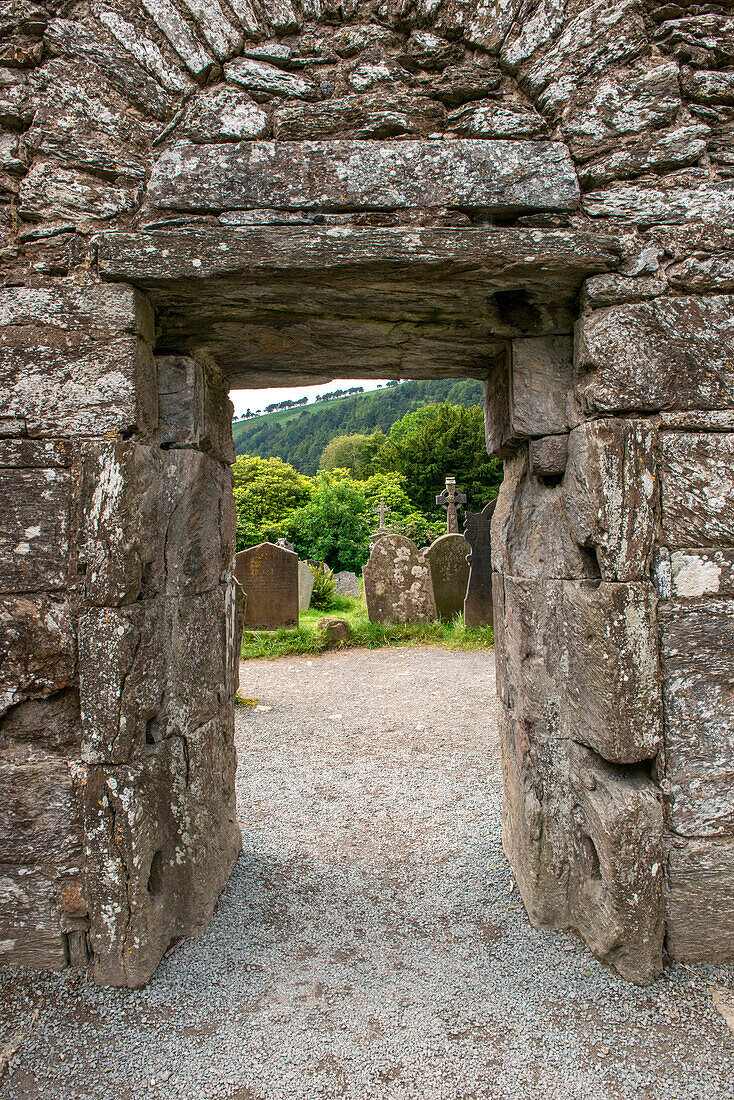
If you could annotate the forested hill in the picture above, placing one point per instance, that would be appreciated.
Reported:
(299, 436)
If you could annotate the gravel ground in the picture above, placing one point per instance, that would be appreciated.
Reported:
(368, 944)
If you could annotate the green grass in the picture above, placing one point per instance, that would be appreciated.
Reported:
(366, 635)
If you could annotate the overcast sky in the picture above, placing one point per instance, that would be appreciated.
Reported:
(258, 399)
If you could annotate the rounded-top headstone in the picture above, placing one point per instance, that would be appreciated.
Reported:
(450, 573)
(397, 582)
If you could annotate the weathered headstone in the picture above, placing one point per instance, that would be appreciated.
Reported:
(478, 602)
(451, 499)
(269, 576)
(397, 582)
(450, 573)
(346, 583)
(285, 544)
(305, 585)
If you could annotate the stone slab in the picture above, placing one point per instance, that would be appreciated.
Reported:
(152, 521)
(697, 488)
(584, 840)
(38, 647)
(579, 661)
(700, 900)
(268, 575)
(483, 175)
(34, 529)
(397, 582)
(697, 655)
(667, 353)
(478, 610)
(346, 583)
(154, 670)
(450, 573)
(161, 841)
(525, 395)
(306, 581)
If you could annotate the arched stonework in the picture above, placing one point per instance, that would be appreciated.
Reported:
(200, 192)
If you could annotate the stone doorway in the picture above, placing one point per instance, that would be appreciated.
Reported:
(592, 588)
(581, 561)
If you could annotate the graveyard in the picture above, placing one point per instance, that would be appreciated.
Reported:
(440, 595)
(380, 745)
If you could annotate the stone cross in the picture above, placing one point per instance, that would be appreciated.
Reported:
(381, 510)
(451, 500)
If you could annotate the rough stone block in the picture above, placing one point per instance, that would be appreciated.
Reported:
(697, 480)
(32, 729)
(161, 849)
(34, 529)
(580, 663)
(697, 655)
(609, 495)
(526, 396)
(30, 932)
(584, 840)
(548, 455)
(531, 534)
(361, 116)
(153, 671)
(609, 669)
(700, 900)
(151, 521)
(646, 205)
(37, 648)
(52, 193)
(224, 114)
(39, 816)
(499, 176)
(66, 379)
(194, 407)
(668, 353)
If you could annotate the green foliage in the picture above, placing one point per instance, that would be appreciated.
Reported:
(322, 596)
(299, 436)
(333, 526)
(436, 440)
(266, 491)
(357, 453)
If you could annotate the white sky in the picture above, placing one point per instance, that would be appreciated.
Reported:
(258, 399)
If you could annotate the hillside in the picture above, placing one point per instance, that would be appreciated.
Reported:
(299, 436)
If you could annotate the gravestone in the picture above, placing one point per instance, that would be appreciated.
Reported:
(305, 585)
(478, 602)
(346, 583)
(397, 582)
(450, 573)
(269, 576)
(451, 499)
(285, 544)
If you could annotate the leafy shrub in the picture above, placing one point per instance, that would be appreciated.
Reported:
(324, 592)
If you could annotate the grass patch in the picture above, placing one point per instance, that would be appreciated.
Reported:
(366, 635)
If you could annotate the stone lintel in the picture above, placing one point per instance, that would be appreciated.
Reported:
(501, 177)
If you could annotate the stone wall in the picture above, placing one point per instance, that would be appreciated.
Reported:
(119, 636)
(201, 194)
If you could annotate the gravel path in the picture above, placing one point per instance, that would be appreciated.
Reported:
(368, 944)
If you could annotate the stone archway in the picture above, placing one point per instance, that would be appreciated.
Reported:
(138, 288)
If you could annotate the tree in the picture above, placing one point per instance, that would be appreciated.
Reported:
(357, 453)
(436, 440)
(266, 491)
(333, 526)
